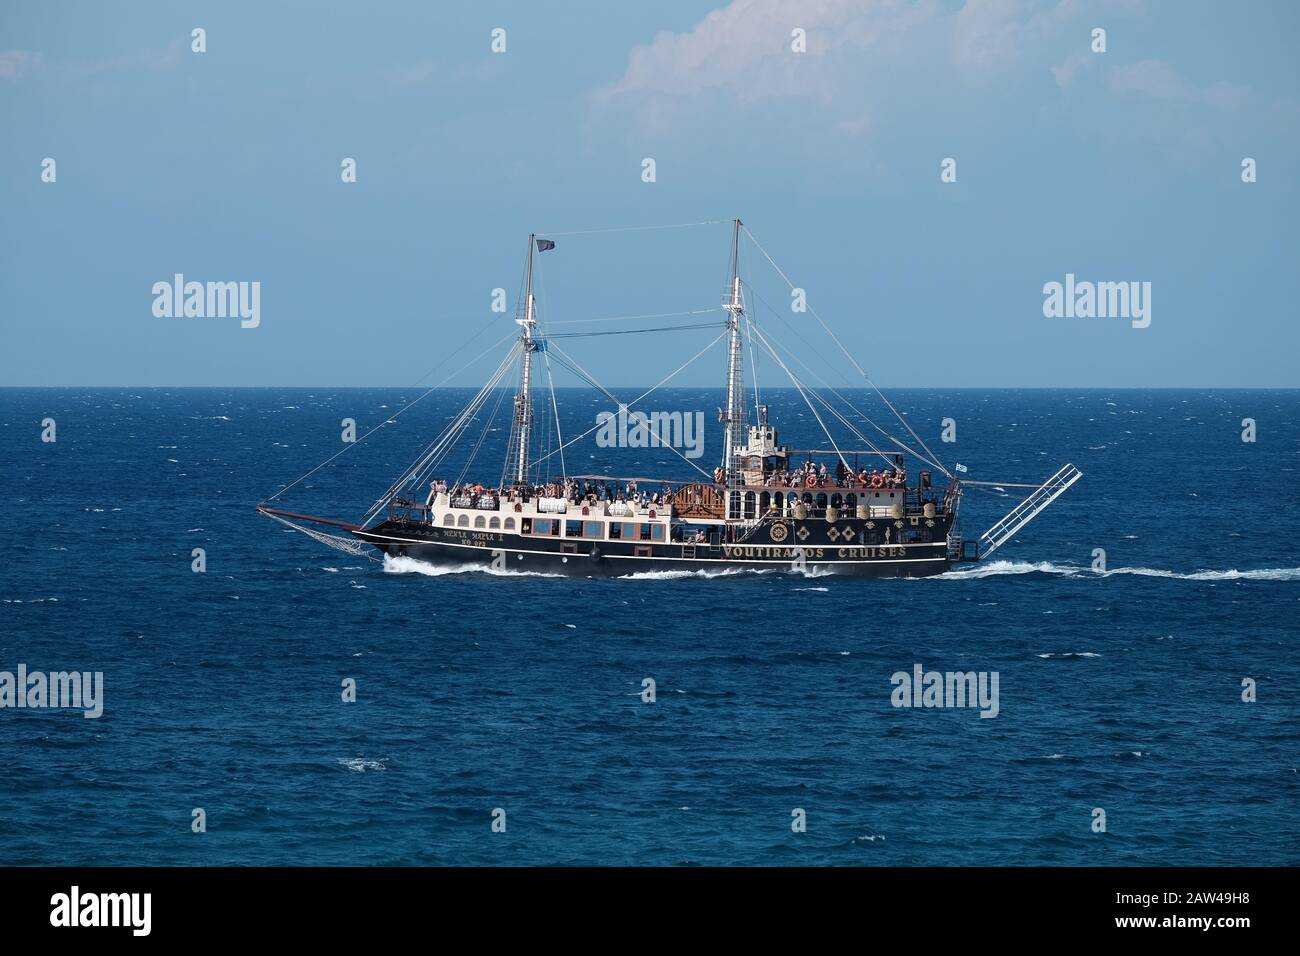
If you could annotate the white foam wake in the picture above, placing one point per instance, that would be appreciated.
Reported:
(681, 575)
(403, 564)
(995, 568)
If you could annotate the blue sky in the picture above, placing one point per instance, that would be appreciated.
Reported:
(225, 165)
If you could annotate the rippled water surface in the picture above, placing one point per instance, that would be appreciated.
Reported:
(1119, 690)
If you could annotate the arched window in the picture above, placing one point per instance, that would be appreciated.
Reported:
(463, 521)
(480, 521)
(850, 500)
(821, 501)
(836, 501)
(510, 524)
(449, 520)
(494, 522)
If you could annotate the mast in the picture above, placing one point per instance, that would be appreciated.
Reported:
(523, 424)
(733, 418)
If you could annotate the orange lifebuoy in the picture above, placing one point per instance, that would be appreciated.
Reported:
(810, 481)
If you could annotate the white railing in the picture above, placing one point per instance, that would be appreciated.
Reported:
(1023, 513)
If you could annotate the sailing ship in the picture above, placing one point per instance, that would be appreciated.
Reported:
(764, 507)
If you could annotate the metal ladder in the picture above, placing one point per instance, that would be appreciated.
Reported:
(1023, 513)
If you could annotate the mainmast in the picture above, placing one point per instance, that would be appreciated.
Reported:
(523, 424)
(733, 418)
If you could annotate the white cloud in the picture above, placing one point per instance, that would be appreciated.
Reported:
(1150, 78)
(18, 63)
(1158, 79)
(864, 57)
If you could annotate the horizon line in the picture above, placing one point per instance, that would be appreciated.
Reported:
(783, 388)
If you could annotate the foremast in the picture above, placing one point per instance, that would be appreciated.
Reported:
(733, 416)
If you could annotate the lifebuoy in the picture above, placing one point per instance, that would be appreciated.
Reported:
(810, 481)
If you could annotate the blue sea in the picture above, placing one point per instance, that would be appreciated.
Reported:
(1119, 691)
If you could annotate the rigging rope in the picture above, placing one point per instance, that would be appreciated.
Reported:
(851, 359)
(863, 415)
(596, 232)
(391, 418)
(662, 328)
(671, 375)
(590, 379)
(555, 410)
(350, 545)
(799, 385)
(444, 442)
(624, 318)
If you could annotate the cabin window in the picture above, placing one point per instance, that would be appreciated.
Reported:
(615, 530)
(656, 532)
(463, 521)
(494, 522)
(480, 522)
(573, 529)
(837, 501)
(593, 529)
(850, 500)
(821, 501)
(645, 532)
(449, 521)
(510, 524)
(549, 526)
(807, 498)
(629, 531)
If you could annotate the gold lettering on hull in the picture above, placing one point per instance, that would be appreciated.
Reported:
(743, 551)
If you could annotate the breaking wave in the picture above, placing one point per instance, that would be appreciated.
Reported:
(362, 764)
